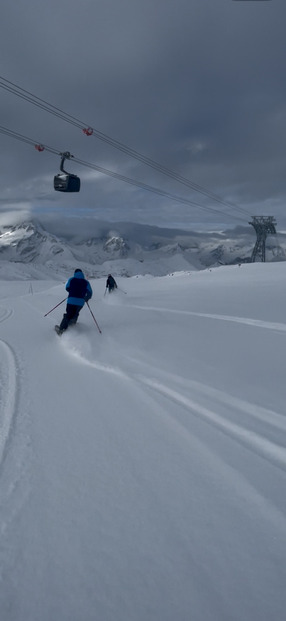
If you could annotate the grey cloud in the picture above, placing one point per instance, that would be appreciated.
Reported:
(196, 85)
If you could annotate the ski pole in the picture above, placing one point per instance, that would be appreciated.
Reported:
(99, 330)
(122, 290)
(55, 307)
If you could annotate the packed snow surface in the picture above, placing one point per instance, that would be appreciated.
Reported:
(143, 469)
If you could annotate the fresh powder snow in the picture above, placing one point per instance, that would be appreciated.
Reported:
(143, 469)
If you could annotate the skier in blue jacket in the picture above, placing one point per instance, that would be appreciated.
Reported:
(79, 291)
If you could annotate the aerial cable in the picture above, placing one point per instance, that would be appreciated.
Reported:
(40, 103)
(21, 138)
(105, 171)
(89, 131)
(152, 189)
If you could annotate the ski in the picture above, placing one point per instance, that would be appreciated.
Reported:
(58, 330)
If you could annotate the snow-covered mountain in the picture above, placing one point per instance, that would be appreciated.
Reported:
(126, 249)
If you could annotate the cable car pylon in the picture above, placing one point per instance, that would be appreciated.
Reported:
(263, 225)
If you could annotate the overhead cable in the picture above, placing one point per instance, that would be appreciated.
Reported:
(105, 171)
(88, 130)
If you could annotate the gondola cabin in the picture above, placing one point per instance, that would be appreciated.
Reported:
(66, 183)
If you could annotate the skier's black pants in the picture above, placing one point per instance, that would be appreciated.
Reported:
(71, 316)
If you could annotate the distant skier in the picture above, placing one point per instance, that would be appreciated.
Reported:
(110, 283)
(80, 291)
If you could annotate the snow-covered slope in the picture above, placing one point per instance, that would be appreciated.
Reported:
(143, 470)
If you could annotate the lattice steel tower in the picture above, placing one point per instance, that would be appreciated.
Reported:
(263, 225)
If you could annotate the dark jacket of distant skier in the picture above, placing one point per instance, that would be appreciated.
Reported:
(80, 291)
(110, 283)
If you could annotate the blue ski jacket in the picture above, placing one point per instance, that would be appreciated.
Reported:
(79, 289)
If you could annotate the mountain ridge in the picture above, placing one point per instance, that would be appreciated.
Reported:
(128, 249)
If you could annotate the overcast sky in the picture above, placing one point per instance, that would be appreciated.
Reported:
(196, 85)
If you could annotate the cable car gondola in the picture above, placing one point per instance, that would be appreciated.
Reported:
(66, 182)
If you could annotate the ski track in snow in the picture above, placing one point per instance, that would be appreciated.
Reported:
(8, 387)
(196, 397)
(257, 323)
(8, 394)
(258, 443)
(5, 313)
